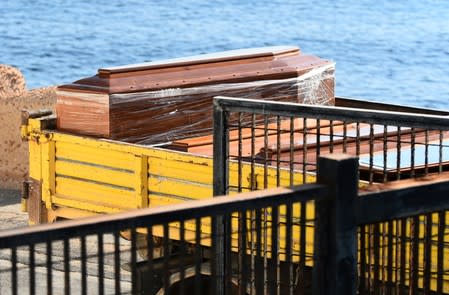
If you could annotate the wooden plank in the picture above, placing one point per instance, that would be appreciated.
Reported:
(94, 155)
(179, 188)
(88, 194)
(89, 172)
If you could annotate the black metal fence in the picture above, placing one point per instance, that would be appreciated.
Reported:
(403, 252)
(291, 137)
(181, 245)
(251, 243)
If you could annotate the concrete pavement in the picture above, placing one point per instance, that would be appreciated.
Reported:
(12, 217)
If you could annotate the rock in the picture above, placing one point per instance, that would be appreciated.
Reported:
(13, 99)
(12, 82)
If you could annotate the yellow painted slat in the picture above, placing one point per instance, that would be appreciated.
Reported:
(160, 200)
(88, 193)
(98, 156)
(177, 156)
(97, 143)
(123, 147)
(191, 168)
(93, 207)
(179, 188)
(95, 173)
(181, 170)
(284, 177)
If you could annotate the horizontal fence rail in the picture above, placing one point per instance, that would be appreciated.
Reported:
(170, 250)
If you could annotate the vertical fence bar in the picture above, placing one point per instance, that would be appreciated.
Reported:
(14, 271)
(239, 158)
(221, 182)
(414, 254)
(440, 153)
(265, 153)
(302, 246)
(273, 271)
(288, 247)
(150, 251)
(117, 262)
(166, 251)
(397, 256)
(292, 149)
(398, 153)
(335, 250)
(362, 259)
(259, 263)
(32, 270)
(183, 253)
(402, 287)
(253, 152)
(83, 265)
(198, 256)
(426, 152)
(369, 249)
(221, 151)
(278, 151)
(331, 136)
(318, 142)
(427, 254)
(389, 278)
(133, 260)
(357, 143)
(243, 265)
(49, 266)
(66, 250)
(304, 153)
(385, 154)
(412, 153)
(100, 264)
(371, 153)
(376, 253)
(227, 247)
(440, 250)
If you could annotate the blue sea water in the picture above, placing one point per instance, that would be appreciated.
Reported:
(390, 51)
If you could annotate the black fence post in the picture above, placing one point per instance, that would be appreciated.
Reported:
(335, 268)
(220, 238)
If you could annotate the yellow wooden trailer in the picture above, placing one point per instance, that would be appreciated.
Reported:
(81, 176)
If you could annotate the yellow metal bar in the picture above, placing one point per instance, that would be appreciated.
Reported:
(48, 172)
(141, 181)
(35, 159)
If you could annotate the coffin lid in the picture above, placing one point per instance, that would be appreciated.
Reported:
(232, 66)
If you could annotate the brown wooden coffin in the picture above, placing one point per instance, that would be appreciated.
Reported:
(172, 99)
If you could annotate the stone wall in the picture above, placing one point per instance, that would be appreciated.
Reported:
(14, 97)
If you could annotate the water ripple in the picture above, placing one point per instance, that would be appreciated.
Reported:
(393, 51)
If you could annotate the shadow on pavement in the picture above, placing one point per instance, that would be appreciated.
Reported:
(9, 197)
